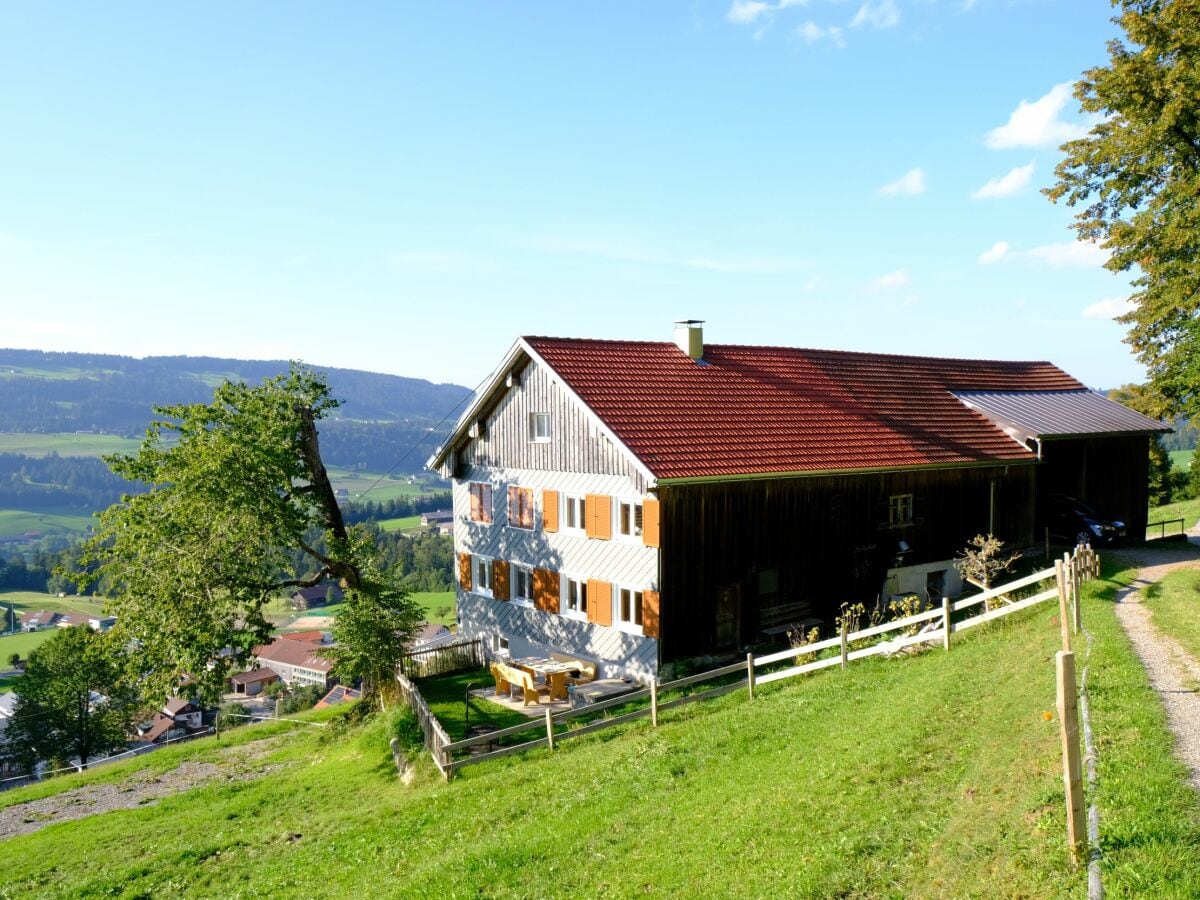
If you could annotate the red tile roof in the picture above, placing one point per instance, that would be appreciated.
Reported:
(294, 653)
(760, 410)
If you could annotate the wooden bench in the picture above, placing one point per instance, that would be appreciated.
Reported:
(587, 668)
(508, 677)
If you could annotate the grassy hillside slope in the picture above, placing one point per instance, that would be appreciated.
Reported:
(932, 776)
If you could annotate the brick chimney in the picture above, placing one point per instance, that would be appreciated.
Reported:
(689, 337)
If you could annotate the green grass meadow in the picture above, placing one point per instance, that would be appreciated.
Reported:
(937, 775)
(1174, 605)
(404, 523)
(1181, 460)
(20, 521)
(65, 444)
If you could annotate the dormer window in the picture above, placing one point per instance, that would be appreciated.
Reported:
(539, 427)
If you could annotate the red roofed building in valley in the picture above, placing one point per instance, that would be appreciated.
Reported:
(637, 502)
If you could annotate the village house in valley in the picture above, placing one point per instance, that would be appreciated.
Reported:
(640, 502)
(296, 659)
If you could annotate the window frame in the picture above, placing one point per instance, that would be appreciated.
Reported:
(564, 518)
(536, 418)
(485, 490)
(522, 491)
(515, 571)
(636, 519)
(482, 569)
(900, 510)
(564, 606)
(636, 606)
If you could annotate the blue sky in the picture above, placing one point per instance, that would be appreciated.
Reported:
(408, 187)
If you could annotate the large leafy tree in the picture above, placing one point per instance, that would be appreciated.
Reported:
(1136, 176)
(235, 486)
(73, 701)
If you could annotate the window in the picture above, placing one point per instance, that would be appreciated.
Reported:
(500, 644)
(629, 519)
(900, 509)
(628, 614)
(573, 519)
(483, 575)
(481, 502)
(522, 585)
(574, 598)
(539, 427)
(520, 507)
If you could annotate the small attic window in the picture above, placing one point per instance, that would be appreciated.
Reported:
(539, 427)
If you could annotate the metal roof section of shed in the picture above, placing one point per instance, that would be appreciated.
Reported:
(1050, 415)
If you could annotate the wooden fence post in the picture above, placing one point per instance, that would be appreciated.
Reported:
(1076, 580)
(1062, 604)
(845, 647)
(1072, 595)
(654, 702)
(1068, 719)
(549, 729)
(946, 625)
(750, 673)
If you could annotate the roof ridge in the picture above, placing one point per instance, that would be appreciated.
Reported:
(808, 350)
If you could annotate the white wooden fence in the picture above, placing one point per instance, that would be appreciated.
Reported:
(936, 625)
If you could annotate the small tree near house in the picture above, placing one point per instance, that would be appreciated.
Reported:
(983, 561)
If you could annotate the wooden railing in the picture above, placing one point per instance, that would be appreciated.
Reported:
(1162, 529)
(445, 659)
(1083, 564)
(436, 738)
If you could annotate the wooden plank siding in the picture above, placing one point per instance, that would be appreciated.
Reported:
(826, 538)
(575, 445)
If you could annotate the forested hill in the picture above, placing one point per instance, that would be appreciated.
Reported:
(381, 417)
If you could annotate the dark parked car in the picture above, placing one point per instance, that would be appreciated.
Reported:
(1075, 521)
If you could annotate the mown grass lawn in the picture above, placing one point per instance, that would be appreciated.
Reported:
(1188, 510)
(404, 523)
(1174, 605)
(21, 521)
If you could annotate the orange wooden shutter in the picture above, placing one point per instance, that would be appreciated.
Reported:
(650, 523)
(500, 579)
(598, 509)
(545, 590)
(464, 571)
(599, 600)
(550, 511)
(650, 626)
(476, 505)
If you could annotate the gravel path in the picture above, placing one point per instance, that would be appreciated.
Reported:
(1173, 672)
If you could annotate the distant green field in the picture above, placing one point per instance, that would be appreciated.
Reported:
(65, 444)
(22, 601)
(1181, 460)
(284, 617)
(404, 523)
(22, 643)
(392, 487)
(19, 521)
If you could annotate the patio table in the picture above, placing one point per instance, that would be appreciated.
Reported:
(554, 672)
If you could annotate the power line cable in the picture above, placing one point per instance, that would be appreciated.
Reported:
(417, 443)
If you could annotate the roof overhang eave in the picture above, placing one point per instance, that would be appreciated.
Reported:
(818, 473)
(477, 403)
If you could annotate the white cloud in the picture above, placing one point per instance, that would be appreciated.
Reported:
(744, 12)
(1005, 185)
(1067, 254)
(994, 254)
(811, 32)
(878, 13)
(1037, 124)
(748, 12)
(889, 282)
(909, 184)
(1108, 308)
